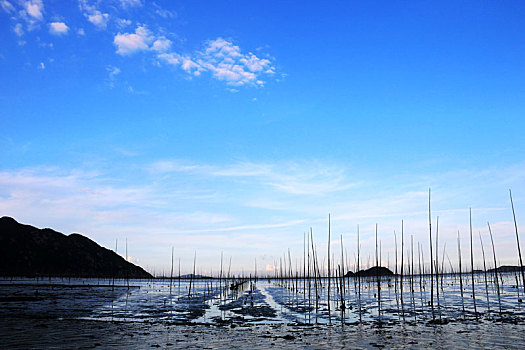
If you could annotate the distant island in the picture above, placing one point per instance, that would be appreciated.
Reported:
(383, 271)
(32, 252)
(373, 271)
(506, 268)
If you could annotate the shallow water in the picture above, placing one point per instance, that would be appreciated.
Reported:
(265, 301)
(89, 313)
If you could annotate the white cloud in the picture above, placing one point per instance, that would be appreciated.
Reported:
(34, 8)
(41, 65)
(29, 11)
(162, 44)
(123, 23)
(165, 13)
(191, 67)
(18, 29)
(58, 28)
(227, 63)
(130, 3)
(129, 43)
(255, 64)
(7, 6)
(112, 73)
(96, 17)
(81, 31)
(170, 58)
(99, 19)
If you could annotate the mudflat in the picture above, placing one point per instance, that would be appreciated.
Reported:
(30, 333)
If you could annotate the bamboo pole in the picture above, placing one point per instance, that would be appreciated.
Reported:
(495, 268)
(472, 265)
(431, 257)
(402, 265)
(358, 274)
(485, 271)
(378, 282)
(460, 276)
(517, 241)
(329, 276)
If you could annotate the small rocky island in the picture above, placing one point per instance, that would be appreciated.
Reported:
(32, 252)
(373, 271)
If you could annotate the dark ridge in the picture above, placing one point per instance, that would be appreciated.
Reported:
(31, 252)
(506, 268)
(373, 271)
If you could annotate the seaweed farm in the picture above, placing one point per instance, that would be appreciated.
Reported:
(352, 300)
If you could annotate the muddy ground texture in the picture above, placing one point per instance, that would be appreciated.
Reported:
(27, 333)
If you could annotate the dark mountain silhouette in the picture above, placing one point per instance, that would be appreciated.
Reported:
(28, 251)
(373, 271)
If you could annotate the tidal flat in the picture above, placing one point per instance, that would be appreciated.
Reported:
(208, 313)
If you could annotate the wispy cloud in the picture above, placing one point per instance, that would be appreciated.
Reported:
(93, 14)
(7, 6)
(18, 29)
(312, 178)
(112, 74)
(246, 227)
(130, 3)
(223, 206)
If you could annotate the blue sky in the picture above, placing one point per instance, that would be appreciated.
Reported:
(236, 126)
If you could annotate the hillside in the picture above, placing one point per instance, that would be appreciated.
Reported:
(28, 251)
